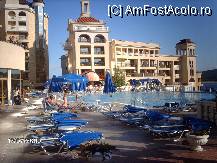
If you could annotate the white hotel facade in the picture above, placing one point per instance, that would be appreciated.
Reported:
(89, 49)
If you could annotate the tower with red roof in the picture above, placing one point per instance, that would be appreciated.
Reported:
(87, 46)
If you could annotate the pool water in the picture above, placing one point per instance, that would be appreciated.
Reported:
(147, 98)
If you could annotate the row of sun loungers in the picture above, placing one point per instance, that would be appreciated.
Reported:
(159, 124)
(59, 130)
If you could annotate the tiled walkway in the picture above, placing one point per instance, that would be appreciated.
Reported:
(132, 143)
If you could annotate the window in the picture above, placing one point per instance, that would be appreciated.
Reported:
(15, 74)
(152, 63)
(85, 61)
(177, 72)
(22, 13)
(191, 72)
(99, 39)
(176, 62)
(161, 64)
(151, 51)
(85, 50)
(85, 7)
(99, 50)
(22, 23)
(177, 80)
(12, 23)
(84, 38)
(12, 14)
(145, 63)
(99, 61)
(3, 73)
(26, 55)
(27, 66)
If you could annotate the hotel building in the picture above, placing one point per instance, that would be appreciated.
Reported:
(88, 49)
(140, 60)
(25, 24)
(87, 45)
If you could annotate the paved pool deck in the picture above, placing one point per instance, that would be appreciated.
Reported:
(133, 144)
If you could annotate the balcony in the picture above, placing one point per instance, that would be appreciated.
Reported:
(12, 18)
(22, 28)
(118, 53)
(12, 28)
(96, 29)
(128, 66)
(177, 67)
(145, 65)
(147, 75)
(22, 18)
(177, 75)
(164, 67)
(99, 63)
(85, 64)
(100, 53)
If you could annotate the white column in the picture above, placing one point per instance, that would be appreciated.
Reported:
(9, 86)
(20, 84)
(92, 57)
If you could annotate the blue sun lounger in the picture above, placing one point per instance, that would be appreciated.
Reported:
(70, 140)
(75, 139)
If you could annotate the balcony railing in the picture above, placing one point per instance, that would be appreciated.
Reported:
(86, 64)
(12, 28)
(177, 75)
(11, 17)
(102, 52)
(162, 66)
(146, 74)
(82, 28)
(177, 67)
(99, 64)
(118, 52)
(22, 18)
(22, 28)
(85, 53)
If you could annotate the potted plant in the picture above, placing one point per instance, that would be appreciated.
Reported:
(196, 139)
(91, 150)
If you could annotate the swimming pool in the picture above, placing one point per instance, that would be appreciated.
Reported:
(147, 98)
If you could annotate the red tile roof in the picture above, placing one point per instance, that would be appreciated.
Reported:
(86, 19)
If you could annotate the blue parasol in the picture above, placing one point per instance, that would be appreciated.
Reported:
(109, 87)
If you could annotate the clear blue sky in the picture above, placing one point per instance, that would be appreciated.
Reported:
(166, 30)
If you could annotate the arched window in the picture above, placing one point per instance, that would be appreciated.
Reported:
(99, 39)
(84, 38)
(12, 14)
(22, 13)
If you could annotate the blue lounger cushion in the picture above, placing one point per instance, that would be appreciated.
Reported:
(65, 121)
(76, 138)
(65, 114)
